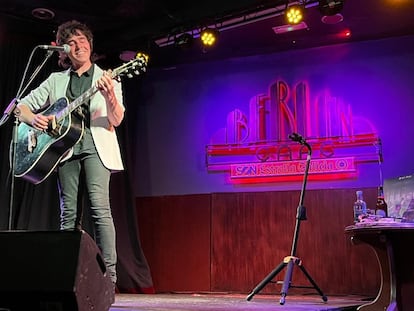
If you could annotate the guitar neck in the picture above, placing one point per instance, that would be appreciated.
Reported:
(136, 65)
(76, 103)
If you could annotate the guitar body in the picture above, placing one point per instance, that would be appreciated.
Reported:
(38, 152)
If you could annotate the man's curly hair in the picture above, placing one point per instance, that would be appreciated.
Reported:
(71, 28)
(65, 31)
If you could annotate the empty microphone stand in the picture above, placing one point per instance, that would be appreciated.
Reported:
(291, 260)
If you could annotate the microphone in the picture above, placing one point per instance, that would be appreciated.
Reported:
(296, 137)
(61, 48)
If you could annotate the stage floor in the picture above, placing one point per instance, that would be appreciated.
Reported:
(228, 302)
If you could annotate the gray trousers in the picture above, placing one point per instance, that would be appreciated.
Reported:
(96, 178)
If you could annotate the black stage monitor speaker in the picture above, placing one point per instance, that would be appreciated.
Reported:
(52, 271)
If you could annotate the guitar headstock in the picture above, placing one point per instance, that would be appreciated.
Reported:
(132, 68)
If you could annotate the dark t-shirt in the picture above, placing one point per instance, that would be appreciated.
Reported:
(77, 86)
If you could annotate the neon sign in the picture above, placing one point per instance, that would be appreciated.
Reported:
(254, 148)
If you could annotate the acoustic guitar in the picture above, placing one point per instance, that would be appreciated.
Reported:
(39, 152)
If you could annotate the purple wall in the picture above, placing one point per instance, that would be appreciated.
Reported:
(184, 109)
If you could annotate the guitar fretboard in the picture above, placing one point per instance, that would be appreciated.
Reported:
(137, 65)
(76, 103)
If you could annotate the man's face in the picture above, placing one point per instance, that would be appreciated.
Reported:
(80, 49)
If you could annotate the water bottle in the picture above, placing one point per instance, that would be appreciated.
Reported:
(360, 207)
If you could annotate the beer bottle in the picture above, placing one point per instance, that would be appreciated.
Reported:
(381, 206)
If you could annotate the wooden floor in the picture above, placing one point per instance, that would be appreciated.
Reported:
(228, 302)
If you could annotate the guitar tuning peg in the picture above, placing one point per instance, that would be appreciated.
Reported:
(136, 72)
(129, 75)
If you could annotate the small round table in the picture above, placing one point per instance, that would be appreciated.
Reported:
(393, 244)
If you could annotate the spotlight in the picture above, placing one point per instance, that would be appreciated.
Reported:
(184, 40)
(294, 14)
(209, 36)
(330, 7)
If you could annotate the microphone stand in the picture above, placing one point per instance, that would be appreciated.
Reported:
(6, 115)
(292, 259)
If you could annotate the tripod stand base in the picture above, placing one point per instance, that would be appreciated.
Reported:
(266, 280)
(288, 261)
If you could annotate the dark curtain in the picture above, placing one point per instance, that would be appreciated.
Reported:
(36, 207)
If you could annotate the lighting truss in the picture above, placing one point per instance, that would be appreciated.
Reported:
(236, 21)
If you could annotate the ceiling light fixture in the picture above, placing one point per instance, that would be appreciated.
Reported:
(184, 40)
(289, 28)
(330, 7)
(234, 21)
(43, 13)
(294, 14)
(209, 36)
(332, 19)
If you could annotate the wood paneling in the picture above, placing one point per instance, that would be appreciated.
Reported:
(175, 237)
(231, 241)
